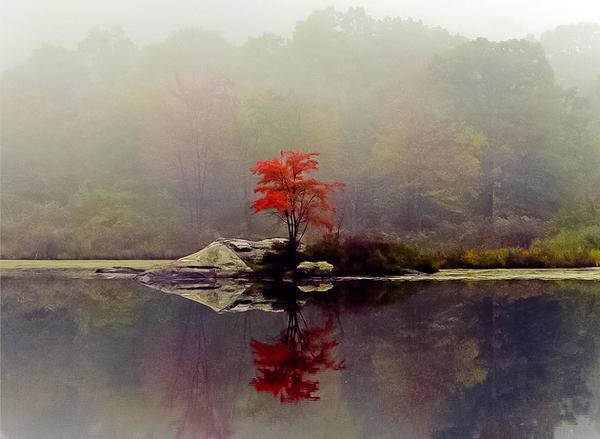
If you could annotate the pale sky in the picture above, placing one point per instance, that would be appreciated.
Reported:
(27, 24)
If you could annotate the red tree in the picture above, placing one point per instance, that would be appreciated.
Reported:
(297, 201)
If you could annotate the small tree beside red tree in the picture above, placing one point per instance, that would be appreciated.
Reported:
(297, 200)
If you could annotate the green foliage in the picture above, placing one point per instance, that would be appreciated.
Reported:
(570, 244)
(595, 254)
(76, 264)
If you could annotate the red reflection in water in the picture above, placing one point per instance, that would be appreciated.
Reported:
(287, 367)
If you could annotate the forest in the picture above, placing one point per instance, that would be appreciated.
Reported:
(452, 145)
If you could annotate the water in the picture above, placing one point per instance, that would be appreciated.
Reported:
(90, 358)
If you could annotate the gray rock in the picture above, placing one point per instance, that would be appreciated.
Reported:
(253, 252)
(221, 259)
(238, 245)
(411, 272)
(173, 276)
(218, 257)
(118, 272)
(198, 271)
(314, 269)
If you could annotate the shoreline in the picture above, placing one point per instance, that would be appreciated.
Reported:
(86, 269)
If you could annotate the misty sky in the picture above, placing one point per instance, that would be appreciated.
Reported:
(27, 24)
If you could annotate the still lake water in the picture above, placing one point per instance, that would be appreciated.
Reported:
(92, 358)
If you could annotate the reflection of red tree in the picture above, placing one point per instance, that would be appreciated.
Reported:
(284, 368)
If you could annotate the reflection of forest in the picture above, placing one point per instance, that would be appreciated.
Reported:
(190, 380)
(112, 359)
(496, 361)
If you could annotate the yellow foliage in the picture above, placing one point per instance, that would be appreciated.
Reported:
(468, 372)
(595, 254)
(486, 258)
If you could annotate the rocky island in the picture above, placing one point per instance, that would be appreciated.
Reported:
(221, 275)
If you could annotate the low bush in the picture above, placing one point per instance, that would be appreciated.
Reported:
(277, 262)
(567, 248)
(364, 256)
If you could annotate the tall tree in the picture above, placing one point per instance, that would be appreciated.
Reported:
(506, 91)
(574, 53)
(427, 163)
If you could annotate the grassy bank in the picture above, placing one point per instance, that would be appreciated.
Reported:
(567, 248)
(76, 264)
(517, 257)
(376, 256)
(380, 256)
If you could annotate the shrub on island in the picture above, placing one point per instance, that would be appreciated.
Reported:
(369, 256)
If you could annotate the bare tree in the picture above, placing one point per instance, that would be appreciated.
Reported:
(199, 125)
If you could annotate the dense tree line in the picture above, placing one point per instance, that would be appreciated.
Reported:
(114, 150)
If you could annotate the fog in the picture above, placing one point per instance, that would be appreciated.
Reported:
(366, 139)
(133, 131)
(26, 24)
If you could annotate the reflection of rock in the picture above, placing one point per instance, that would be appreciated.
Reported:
(314, 269)
(118, 272)
(411, 272)
(254, 299)
(219, 298)
(224, 295)
(315, 287)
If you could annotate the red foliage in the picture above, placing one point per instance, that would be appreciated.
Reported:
(297, 200)
(283, 368)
